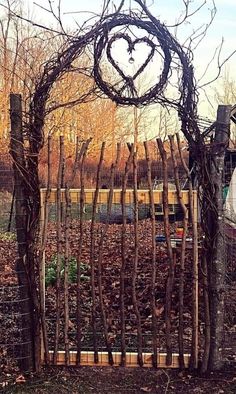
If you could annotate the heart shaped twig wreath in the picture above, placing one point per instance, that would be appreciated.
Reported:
(129, 80)
(127, 94)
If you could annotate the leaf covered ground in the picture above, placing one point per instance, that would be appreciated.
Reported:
(108, 379)
(119, 380)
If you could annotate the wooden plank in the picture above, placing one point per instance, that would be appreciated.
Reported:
(87, 359)
(143, 196)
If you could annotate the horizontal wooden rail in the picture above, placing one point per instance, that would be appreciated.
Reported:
(87, 358)
(143, 196)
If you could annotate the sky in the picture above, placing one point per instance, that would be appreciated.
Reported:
(75, 12)
(167, 11)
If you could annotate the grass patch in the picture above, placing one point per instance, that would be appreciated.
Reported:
(7, 236)
(5, 208)
(51, 271)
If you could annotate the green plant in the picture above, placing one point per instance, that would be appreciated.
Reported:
(50, 274)
(7, 236)
(51, 271)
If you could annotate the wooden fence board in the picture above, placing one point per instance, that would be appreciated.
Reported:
(87, 359)
(143, 196)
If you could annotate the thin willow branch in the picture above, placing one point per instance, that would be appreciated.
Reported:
(100, 254)
(92, 253)
(59, 250)
(183, 251)
(123, 255)
(84, 148)
(170, 278)
(135, 261)
(153, 281)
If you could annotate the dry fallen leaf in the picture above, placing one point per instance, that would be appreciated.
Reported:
(146, 389)
(20, 379)
(71, 324)
(4, 384)
(158, 311)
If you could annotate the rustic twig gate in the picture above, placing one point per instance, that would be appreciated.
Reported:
(27, 192)
(128, 266)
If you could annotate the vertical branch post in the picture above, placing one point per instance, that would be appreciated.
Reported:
(217, 264)
(207, 331)
(183, 249)
(195, 296)
(135, 261)
(170, 278)
(92, 254)
(44, 226)
(66, 268)
(27, 362)
(100, 255)
(59, 249)
(153, 280)
(79, 252)
(193, 203)
(123, 255)
(78, 155)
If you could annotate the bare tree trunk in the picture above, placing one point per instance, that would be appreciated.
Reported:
(217, 265)
(170, 279)
(100, 251)
(135, 263)
(92, 254)
(59, 250)
(182, 258)
(123, 256)
(153, 281)
(27, 362)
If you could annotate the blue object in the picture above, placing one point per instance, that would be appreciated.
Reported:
(160, 238)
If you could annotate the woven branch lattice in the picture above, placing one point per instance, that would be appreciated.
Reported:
(106, 33)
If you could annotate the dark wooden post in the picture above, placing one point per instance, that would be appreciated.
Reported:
(217, 263)
(26, 356)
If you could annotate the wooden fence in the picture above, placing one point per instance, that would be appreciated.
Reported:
(124, 274)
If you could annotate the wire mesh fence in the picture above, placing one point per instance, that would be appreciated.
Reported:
(230, 300)
(6, 194)
(15, 333)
